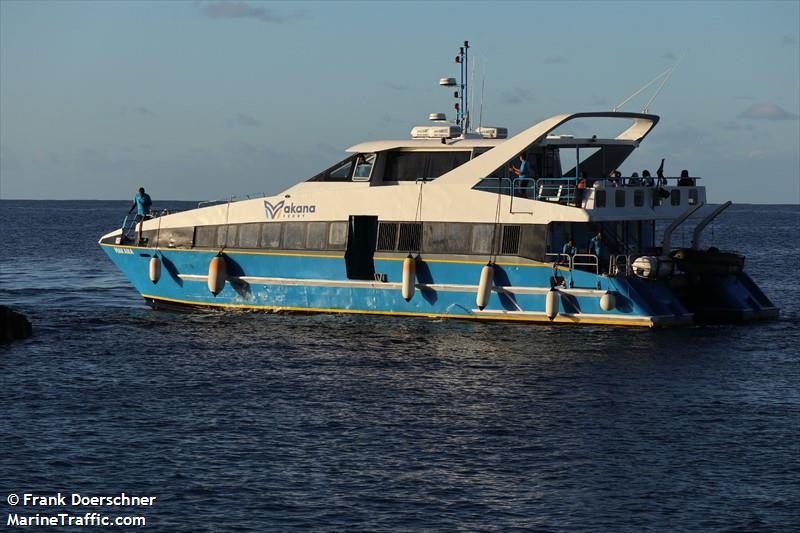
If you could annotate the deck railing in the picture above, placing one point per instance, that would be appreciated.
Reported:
(570, 191)
(206, 203)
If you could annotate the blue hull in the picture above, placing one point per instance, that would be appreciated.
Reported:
(445, 288)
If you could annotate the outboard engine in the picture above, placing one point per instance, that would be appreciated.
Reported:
(652, 267)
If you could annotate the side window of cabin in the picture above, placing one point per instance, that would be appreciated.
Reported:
(337, 235)
(317, 236)
(271, 235)
(411, 166)
(341, 171)
(599, 198)
(447, 237)
(294, 235)
(205, 236)
(619, 198)
(444, 162)
(227, 235)
(249, 235)
(364, 164)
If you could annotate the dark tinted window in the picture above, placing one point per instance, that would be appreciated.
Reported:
(205, 236)
(294, 235)
(341, 171)
(337, 235)
(619, 198)
(317, 236)
(411, 166)
(599, 198)
(248, 235)
(447, 237)
(271, 235)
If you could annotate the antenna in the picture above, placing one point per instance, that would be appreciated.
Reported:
(648, 84)
(472, 82)
(483, 84)
(646, 107)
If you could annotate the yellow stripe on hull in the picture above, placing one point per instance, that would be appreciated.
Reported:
(648, 322)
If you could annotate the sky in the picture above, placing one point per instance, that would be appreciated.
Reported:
(207, 99)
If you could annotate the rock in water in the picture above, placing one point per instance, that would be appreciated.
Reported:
(13, 325)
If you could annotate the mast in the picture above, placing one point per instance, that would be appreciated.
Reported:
(462, 106)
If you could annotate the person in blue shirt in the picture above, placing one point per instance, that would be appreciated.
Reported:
(598, 248)
(569, 249)
(142, 204)
(526, 184)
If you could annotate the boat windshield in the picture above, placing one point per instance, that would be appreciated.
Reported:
(356, 167)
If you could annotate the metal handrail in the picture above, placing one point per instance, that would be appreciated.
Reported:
(561, 259)
(549, 189)
(615, 261)
(232, 199)
(129, 222)
(589, 260)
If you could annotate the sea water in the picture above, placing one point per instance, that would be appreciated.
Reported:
(249, 421)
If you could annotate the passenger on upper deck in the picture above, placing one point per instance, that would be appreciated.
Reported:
(662, 181)
(580, 188)
(524, 172)
(685, 180)
(634, 180)
(647, 179)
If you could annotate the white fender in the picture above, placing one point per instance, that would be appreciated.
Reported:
(608, 301)
(155, 269)
(217, 274)
(485, 286)
(551, 304)
(409, 277)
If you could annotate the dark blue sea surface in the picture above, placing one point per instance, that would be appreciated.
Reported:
(255, 422)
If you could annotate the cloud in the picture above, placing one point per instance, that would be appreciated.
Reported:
(517, 96)
(732, 125)
(787, 40)
(556, 60)
(394, 86)
(767, 111)
(244, 120)
(242, 10)
(125, 111)
(143, 111)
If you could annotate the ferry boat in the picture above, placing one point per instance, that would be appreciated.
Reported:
(439, 225)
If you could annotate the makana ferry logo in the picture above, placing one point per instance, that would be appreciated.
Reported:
(292, 210)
